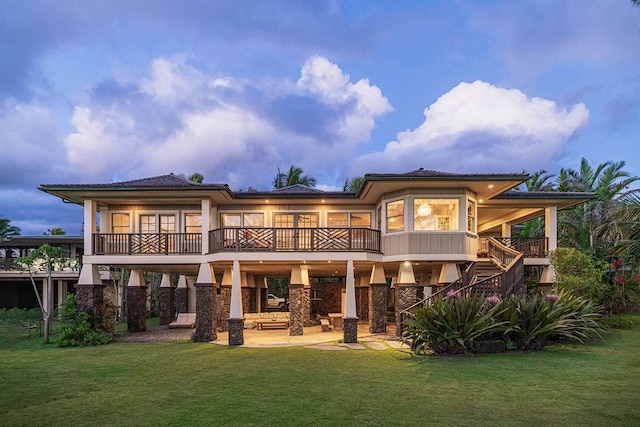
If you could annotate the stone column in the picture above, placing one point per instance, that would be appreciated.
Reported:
(236, 320)
(136, 302)
(206, 301)
(406, 294)
(225, 299)
(350, 321)
(90, 293)
(181, 295)
(378, 301)
(296, 303)
(306, 296)
(362, 294)
(167, 303)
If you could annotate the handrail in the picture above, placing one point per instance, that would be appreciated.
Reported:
(294, 239)
(510, 279)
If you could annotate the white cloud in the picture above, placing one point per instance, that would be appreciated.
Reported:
(181, 119)
(477, 127)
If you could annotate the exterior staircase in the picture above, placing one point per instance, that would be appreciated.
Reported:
(486, 268)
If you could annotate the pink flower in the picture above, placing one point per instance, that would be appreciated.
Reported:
(636, 278)
(453, 294)
(552, 297)
(619, 280)
(493, 300)
(617, 264)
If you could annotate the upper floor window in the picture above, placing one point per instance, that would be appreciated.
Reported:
(193, 223)
(435, 214)
(152, 223)
(349, 219)
(395, 216)
(120, 223)
(471, 216)
(242, 219)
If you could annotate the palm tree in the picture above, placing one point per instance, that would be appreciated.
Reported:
(56, 231)
(7, 230)
(196, 177)
(539, 181)
(628, 221)
(591, 226)
(293, 177)
(353, 184)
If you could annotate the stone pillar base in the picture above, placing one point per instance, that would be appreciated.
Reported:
(181, 300)
(406, 296)
(167, 305)
(350, 330)
(296, 301)
(378, 308)
(206, 323)
(225, 310)
(236, 331)
(136, 308)
(90, 298)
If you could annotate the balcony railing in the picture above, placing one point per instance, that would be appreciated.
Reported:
(530, 247)
(146, 243)
(251, 239)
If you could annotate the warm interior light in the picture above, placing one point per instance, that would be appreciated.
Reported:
(490, 185)
(424, 209)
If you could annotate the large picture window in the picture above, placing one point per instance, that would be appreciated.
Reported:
(395, 216)
(193, 223)
(471, 216)
(435, 214)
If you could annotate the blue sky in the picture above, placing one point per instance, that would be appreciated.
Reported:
(103, 91)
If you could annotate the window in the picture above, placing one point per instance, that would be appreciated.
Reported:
(192, 223)
(338, 220)
(435, 214)
(147, 223)
(120, 223)
(471, 216)
(360, 220)
(242, 219)
(395, 216)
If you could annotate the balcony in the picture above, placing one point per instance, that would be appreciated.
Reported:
(250, 239)
(147, 243)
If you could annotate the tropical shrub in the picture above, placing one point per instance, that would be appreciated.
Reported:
(533, 320)
(79, 328)
(578, 273)
(455, 324)
(452, 325)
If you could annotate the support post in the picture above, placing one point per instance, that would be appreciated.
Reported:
(296, 290)
(350, 322)
(378, 300)
(206, 305)
(136, 302)
(406, 294)
(167, 300)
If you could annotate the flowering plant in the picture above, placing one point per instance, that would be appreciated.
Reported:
(552, 297)
(493, 300)
(453, 294)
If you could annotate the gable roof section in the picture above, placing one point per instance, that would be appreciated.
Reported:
(170, 181)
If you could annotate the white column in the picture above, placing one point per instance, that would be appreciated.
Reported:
(506, 230)
(350, 309)
(235, 311)
(551, 227)
(206, 221)
(449, 273)
(191, 294)
(90, 213)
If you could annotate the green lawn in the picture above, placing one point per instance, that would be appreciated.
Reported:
(202, 384)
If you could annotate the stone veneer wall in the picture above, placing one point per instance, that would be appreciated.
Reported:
(406, 296)
(91, 299)
(225, 307)
(330, 298)
(181, 300)
(206, 323)
(378, 308)
(136, 308)
(296, 322)
(350, 330)
(362, 305)
(167, 305)
(236, 331)
(306, 306)
(246, 300)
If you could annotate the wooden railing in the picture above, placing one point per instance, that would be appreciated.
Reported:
(250, 239)
(530, 247)
(146, 243)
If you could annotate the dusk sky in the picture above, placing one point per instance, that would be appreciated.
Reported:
(104, 91)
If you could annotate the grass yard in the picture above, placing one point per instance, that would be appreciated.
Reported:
(173, 384)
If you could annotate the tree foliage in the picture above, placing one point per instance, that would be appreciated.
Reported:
(7, 230)
(293, 177)
(353, 184)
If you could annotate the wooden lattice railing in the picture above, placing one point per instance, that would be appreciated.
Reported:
(274, 239)
(146, 243)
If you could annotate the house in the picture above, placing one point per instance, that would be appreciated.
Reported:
(341, 251)
(16, 290)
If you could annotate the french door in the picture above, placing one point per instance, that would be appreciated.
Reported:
(294, 230)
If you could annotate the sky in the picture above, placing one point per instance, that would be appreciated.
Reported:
(110, 90)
